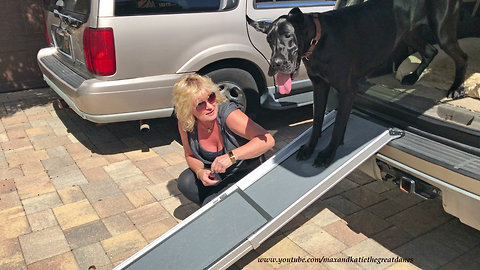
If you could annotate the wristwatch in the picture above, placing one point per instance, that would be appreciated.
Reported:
(232, 157)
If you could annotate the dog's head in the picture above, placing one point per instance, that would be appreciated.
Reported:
(286, 45)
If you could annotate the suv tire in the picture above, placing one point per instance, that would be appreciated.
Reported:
(238, 86)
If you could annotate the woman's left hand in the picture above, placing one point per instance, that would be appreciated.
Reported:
(221, 163)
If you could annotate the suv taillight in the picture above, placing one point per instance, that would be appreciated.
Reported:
(45, 29)
(99, 50)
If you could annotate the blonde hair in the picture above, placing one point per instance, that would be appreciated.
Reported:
(185, 91)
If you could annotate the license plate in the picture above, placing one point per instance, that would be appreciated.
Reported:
(63, 41)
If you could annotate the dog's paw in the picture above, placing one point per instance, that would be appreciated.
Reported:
(410, 79)
(324, 158)
(457, 93)
(305, 152)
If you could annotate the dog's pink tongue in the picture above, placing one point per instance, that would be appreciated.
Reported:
(284, 82)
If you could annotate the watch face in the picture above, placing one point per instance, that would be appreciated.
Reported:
(232, 157)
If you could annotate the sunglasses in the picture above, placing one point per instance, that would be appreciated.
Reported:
(203, 105)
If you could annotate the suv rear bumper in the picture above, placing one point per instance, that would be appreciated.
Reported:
(105, 101)
(455, 173)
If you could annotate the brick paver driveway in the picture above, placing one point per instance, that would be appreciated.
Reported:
(75, 194)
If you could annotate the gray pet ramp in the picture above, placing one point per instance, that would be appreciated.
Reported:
(249, 212)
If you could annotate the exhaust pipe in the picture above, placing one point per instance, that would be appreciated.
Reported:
(144, 127)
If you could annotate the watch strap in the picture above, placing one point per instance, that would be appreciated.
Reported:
(232, 157)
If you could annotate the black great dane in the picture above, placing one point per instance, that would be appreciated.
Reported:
(342, 46)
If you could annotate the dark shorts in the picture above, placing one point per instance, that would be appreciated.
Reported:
(194, 190)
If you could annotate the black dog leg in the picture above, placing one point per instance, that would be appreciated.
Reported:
(427, 52)
(320, 96)
(457, 90)
(326, 156)
(445, 28)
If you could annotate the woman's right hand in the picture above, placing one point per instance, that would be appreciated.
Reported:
(204, 176)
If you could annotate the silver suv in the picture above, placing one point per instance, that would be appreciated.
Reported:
(117, 60)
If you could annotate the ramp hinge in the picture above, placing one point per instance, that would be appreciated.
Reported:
(397, 132)
(219, 198)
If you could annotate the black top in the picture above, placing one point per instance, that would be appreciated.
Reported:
(210, 156)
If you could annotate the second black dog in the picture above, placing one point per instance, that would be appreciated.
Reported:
(342, 46)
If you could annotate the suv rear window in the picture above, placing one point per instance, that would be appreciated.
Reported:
(143, 7)
(77, 9)
(292, 3)
(80, 7)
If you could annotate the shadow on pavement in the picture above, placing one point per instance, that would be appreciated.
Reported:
(14, 102)
(113, 138)
(368, 218)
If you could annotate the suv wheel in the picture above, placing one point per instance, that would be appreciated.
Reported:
(239, 86)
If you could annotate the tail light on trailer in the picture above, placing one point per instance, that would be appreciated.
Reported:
(99, 50)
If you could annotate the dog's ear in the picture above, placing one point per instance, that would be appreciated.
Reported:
(295, 16)
(261, 26)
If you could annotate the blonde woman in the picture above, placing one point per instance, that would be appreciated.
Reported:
(221, 143)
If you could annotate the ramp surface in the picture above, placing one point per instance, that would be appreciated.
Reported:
(256, 207)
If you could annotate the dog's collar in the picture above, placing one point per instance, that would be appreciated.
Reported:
(314, 41)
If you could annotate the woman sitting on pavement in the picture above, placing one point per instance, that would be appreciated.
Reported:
(221, 143)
